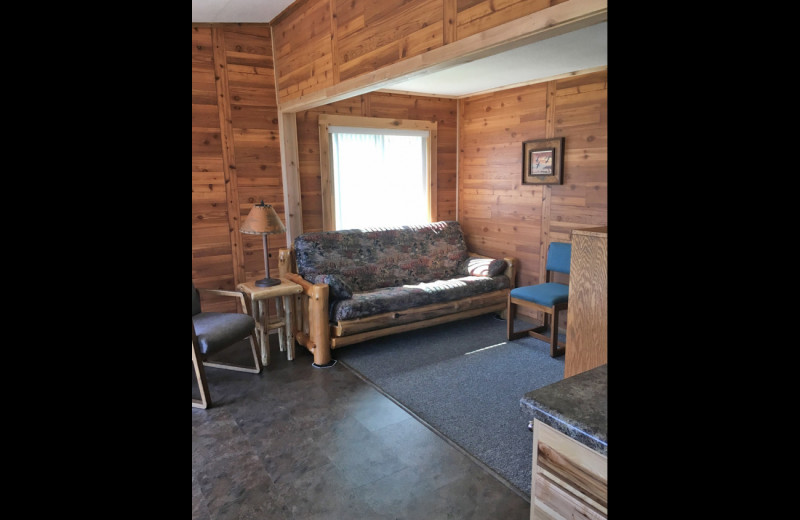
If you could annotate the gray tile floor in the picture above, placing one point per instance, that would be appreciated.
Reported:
(301, 442)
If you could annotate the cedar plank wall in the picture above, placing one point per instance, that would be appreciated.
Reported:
(474, 16)
(315, 46)
(235, 154)
(302, 45)
(499, 215)
(376, 104)
(319, 43)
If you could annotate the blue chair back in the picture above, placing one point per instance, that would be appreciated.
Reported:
(558, 257)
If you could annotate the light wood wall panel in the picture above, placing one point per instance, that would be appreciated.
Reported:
(376, 104)
(500, 215)
(581, 116)
(302, 44)
(373, 33)
(322, 43)
(235, 153)
(474, 16)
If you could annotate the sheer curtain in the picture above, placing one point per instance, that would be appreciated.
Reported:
(380, 177)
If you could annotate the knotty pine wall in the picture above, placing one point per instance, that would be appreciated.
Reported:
(499, 215)
(319, 43)
(235, 154)
(376, 104)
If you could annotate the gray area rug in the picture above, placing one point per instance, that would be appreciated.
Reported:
(465, 381)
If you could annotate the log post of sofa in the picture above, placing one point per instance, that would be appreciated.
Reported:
(318, 338)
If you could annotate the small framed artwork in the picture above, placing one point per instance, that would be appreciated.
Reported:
(543, 161)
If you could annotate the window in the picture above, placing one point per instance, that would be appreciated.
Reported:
(377, 172)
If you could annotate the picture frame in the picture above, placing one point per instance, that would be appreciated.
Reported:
(543, 161)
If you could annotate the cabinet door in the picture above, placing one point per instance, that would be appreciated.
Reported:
(587, 313)
(569, 480)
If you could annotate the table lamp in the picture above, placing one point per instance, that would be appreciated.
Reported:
(263, 221)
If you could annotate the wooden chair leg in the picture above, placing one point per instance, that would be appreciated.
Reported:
(200, 373)
(555, 349)
(256, 369)
(511, 313)
(254, 348)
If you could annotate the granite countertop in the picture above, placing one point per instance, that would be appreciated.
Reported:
(576, 406)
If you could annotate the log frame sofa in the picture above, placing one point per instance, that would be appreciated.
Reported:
(316, 325)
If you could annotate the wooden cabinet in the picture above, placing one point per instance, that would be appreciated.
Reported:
(569, 480)
(587, 329)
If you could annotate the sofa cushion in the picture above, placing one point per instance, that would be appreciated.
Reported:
(403, 297)
(474, 266)
(368, 259)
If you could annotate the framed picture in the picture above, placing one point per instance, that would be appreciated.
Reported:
(543, 161)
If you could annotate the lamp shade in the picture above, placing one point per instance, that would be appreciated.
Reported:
(262, 220)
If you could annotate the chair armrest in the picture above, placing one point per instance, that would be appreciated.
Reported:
(511, 270)
(231, 294)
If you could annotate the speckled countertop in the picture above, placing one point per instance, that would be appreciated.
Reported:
(576, 406)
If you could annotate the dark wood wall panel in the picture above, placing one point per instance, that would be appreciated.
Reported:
(235, 162)
(377, 104)
(211, 248)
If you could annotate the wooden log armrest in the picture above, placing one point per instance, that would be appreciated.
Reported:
(317, 340)
(511, 266)
(511, 270)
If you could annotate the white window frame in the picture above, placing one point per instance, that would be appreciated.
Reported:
(325, 157)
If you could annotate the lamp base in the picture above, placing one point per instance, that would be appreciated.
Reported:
(268, 282)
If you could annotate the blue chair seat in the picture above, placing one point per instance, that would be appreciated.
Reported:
(547, 294)
(550, 298)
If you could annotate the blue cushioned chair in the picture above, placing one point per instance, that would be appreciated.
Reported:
(549, 297)
(216, 331)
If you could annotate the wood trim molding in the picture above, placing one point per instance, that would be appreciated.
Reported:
(228, 152)
(290, 159)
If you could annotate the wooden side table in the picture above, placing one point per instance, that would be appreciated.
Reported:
(258, 300)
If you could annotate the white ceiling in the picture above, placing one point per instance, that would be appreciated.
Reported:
(571, 52)
(232, 11)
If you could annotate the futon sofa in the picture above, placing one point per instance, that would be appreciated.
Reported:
(360, 284)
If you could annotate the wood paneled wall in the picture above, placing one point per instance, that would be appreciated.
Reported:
(376, 104)
(474, 16)
(501, 216)
(319, 43)
(235, 153)
(236, 158)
